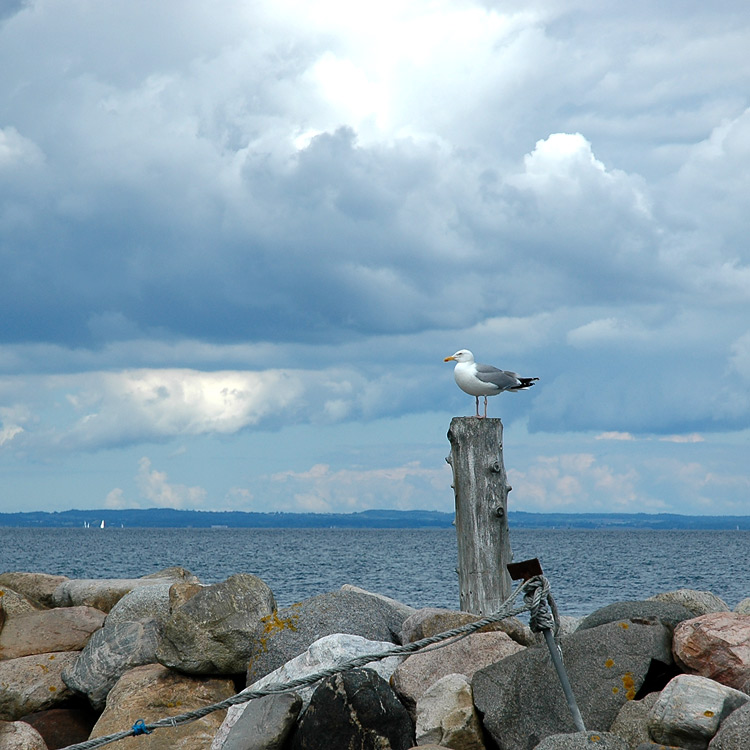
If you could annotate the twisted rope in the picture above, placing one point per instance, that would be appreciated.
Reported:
(536, 593)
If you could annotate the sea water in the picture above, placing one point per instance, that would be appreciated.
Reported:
(587, 569)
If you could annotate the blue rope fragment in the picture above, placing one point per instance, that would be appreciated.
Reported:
(140, 728)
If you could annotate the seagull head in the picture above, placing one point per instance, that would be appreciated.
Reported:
(462, 355)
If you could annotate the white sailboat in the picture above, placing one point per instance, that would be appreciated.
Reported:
(102, 526)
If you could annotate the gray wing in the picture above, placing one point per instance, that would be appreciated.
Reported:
(503, 379)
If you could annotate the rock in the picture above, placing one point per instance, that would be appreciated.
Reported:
(13, 603)
(734, 731)
(153, 692)
(698, 602)
(104, 593)
(354, 709)
(211, 633)
(446, 715)
(17, 735)
(60, 727)
(632, 721)
(325, 653)
(38, 587)
(111, 652)
(583, 741)
(33, 683)
(429, 621)
(717, 646)
(173, 573)
(142, 603)
(266, 723)
(690, 709)
(607, 666)
(49, 630)
(290, 631)
(669, 613)
(465, 656)
(743, 607)
(404, 610)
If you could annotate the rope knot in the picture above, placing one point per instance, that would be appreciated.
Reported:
(140, 728)
(541, 611)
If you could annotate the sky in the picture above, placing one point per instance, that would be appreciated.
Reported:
(237, 240)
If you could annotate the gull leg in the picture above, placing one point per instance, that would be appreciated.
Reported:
(485, 407)
(476, 399)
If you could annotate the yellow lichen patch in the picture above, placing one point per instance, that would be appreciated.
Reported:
(274, 624)
(624, 625)
(709, 714)
(609, 663)
(52, 689)
(615, 690)
(594, 738)
(51, 657)
(629, 685)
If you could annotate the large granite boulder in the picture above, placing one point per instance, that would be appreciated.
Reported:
(49, 630)
(266, 723)
(465, 656)
(743, 607)
(33, 683)
(153, 692)
(632, 721)
(734, 731)
(104, 593)
(290, 631)
(326, 653)
(429, 621)
(404, 610)
(17, 735)
(521, 699)
(583, 741)
(212, 632)
(669, 613)
(14, 603)
(716, 645)
(142, 603)
(446, 715)
(111, 652)
(354, 709)
(690, 709)
(698, 602)
(38, 587)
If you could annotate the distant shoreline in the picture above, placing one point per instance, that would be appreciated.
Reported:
(369, 519)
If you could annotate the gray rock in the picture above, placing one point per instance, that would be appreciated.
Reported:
(698, 602)
(632, 722)
(743, 607)
(690, 709)
(211, 633)
(104, 593)
(110, 653)
(142, 603)
(265, 724)
(734, 731)
(39, 587)
(327, 652)
(583, 741)
(446, 715)
(33, 683)
(17, 735)
(607, 666)
(13, 603)
(354, 709)
(669, 613)
(404, 609)
(290, 631)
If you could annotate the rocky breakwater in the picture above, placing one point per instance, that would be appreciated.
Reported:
(83, 659)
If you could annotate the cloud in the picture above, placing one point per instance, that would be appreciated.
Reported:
(158, 492)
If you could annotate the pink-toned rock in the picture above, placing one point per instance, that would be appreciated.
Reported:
(17, 735)
(717, 646)
(152, 692)
(33, 683)
(414, 675)
(13, 603)
(49, 630)
(39, 587)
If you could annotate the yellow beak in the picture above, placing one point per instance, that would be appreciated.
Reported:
(448, 359)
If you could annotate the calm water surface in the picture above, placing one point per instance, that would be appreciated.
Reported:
(586, 568)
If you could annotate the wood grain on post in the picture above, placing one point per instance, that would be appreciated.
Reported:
(481, 488)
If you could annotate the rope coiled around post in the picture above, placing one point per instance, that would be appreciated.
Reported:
(535, 596)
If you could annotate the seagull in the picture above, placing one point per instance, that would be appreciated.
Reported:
(484, 380)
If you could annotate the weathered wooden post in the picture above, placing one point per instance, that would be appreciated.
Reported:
(481, 488)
